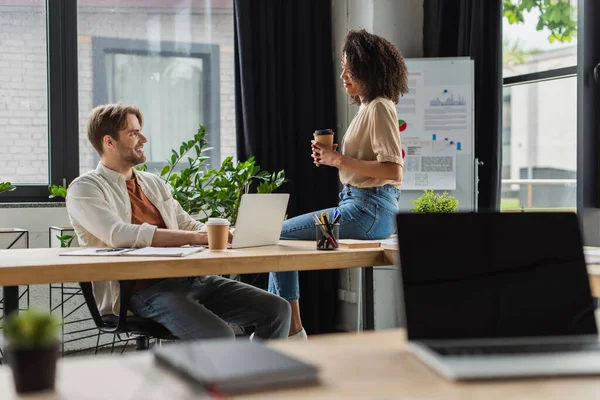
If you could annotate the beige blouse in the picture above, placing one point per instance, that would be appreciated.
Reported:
(372, 135)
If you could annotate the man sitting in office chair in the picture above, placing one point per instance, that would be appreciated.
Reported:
(117, 206)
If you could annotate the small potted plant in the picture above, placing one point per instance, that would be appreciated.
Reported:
(32, 350)
(6, 187)
(431, 202)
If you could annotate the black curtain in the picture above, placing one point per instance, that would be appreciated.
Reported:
(285, 89)
(454, 28)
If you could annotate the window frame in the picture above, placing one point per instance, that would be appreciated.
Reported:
(63, 96)
(209, 53)
(62, 104)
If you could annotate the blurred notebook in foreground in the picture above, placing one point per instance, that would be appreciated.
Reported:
(359, 244)
(141, 252)
(229, 367)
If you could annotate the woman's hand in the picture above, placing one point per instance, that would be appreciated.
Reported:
(324, 156)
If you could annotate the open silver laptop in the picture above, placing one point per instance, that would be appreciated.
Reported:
(259, 221)
(496, 295)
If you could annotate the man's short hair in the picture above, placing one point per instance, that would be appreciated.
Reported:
(109, 119)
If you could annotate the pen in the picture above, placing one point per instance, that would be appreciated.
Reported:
(109, 250)
(336, 219)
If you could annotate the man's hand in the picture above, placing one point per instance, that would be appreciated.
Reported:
(324, 156)
(230, 236)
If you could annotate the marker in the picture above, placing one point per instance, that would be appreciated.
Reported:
(458, 146)
(433, 137)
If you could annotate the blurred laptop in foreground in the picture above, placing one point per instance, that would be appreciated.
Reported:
(490, 295)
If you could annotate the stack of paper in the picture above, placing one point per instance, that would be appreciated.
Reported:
(142, 252)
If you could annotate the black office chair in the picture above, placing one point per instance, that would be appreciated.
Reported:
(140, 328)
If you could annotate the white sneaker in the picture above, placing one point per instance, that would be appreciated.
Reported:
(300, 335)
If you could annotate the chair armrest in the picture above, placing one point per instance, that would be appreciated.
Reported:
(125, 295)
(88, 294)
(90, 301)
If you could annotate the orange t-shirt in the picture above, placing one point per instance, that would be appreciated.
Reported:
(142, 210)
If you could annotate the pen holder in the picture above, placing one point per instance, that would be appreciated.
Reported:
(327, 239)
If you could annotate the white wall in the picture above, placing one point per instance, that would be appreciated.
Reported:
(401, 22)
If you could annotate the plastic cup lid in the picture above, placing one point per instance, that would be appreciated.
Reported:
(217, 221)
(323, 132)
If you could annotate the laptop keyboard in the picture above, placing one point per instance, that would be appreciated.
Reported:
(518, 349)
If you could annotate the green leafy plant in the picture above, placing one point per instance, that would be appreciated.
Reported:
(6, 187)
(31, 328)
(65, 240)
(205, 192)
(430, 202)
(57, 191)
(61, 191)
(555, 15)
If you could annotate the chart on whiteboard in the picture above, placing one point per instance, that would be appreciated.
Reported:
(437, 113)
(429, 164)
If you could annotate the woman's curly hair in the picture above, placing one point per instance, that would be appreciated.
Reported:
(377, 64)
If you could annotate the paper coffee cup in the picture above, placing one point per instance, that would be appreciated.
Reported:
(324, 137)
(218, 233)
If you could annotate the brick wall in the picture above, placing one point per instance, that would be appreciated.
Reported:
(23, 95)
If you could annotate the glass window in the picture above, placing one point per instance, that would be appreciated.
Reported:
(540, 156)
(174, 61)
(23, 92)
(541, 39)
(539, 118)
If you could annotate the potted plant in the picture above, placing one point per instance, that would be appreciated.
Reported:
(6, 187)
(32, 350)
(204, 192)
(431, 202)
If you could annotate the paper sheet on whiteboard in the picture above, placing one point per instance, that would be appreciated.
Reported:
(429, 164)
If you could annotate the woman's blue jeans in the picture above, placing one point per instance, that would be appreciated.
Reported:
(366, 214)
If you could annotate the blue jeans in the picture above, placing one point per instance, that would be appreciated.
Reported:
(366, 214)
(200, 307)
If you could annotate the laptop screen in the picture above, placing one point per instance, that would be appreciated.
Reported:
(492, 275)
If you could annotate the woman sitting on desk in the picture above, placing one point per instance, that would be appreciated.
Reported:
(370, 162)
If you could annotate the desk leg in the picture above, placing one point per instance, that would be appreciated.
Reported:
(368, 301)
(11, 300)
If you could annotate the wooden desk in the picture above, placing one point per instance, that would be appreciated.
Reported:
(372, 365)
(41, 266)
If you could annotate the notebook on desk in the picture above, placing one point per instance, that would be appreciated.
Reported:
(141, 252)
(229, 367)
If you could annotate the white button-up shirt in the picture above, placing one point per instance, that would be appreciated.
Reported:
(100, 211)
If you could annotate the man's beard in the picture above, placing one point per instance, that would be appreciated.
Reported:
(131, 157)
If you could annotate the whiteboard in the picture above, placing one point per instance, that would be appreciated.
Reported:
(440, 107)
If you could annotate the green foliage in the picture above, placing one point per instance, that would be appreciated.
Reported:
(430, 202)
(555, 15)
(31, 328)
(65, 240)
(6, 187)
(213, 192)
(57, 191)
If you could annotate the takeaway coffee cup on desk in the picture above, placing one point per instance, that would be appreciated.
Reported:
(218, 233)
(324, 137)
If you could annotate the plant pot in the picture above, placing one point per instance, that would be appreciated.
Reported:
(34, 369)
